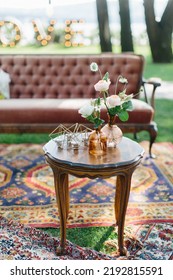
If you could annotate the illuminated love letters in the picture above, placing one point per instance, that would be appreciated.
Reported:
(11, 32)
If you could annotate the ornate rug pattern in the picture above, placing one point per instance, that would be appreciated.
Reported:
(18, 242)
(27, 190)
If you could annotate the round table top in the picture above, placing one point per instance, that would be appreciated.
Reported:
(127, 152)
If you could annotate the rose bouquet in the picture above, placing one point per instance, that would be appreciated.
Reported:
(117, 104)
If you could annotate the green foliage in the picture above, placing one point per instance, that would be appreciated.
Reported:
(127, 105)
(123, 115)
(96, 121)
(106, 76)
(121, 111)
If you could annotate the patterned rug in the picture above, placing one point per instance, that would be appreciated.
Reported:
(18, 242)
(27, 193)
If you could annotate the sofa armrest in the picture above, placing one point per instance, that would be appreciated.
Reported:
(154, 82)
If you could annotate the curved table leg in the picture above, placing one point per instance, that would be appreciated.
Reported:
(117, 199)
(121, 202)
(62, 197)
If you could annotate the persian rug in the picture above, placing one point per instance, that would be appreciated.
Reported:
(27, 192)
(152, 242)
(20, 242)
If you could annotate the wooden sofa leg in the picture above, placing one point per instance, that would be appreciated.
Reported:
(153, 135)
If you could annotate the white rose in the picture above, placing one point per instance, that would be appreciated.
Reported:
(86, 110)
(113, 100)
(102, 85)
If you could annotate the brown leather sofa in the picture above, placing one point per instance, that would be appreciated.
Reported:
(48, 90)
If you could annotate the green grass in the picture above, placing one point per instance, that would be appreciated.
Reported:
(161, 70)
(164, 117)
(95, 237)
(50, 49)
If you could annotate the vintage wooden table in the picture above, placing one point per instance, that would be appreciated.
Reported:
(120, 161)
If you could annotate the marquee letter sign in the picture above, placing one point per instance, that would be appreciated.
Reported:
(41, 35)
(10, 33)
(70, 33)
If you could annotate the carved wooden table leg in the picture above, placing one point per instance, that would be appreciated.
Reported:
(117, 199)
(121, 201)
(62, 196)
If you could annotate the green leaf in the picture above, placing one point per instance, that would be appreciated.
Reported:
(106, 76)
(123, 116)
(127, 105)
(114, 110)
(90, 119)
(98, 101)
(130, 108)
(98, 122)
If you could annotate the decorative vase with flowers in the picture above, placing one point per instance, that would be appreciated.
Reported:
(97, 140)
(117, 105)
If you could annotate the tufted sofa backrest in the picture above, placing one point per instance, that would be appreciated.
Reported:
(68, 76)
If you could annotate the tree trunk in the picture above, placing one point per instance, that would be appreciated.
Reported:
(159, 33)
(126, 33)
(103, 22)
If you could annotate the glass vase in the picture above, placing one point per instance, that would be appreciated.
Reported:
(113, 133)
(97, 142)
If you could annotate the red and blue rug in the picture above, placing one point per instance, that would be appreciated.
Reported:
(20, 242)
(27, 192)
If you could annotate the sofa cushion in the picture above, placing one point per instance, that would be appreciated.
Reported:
(29, 111)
